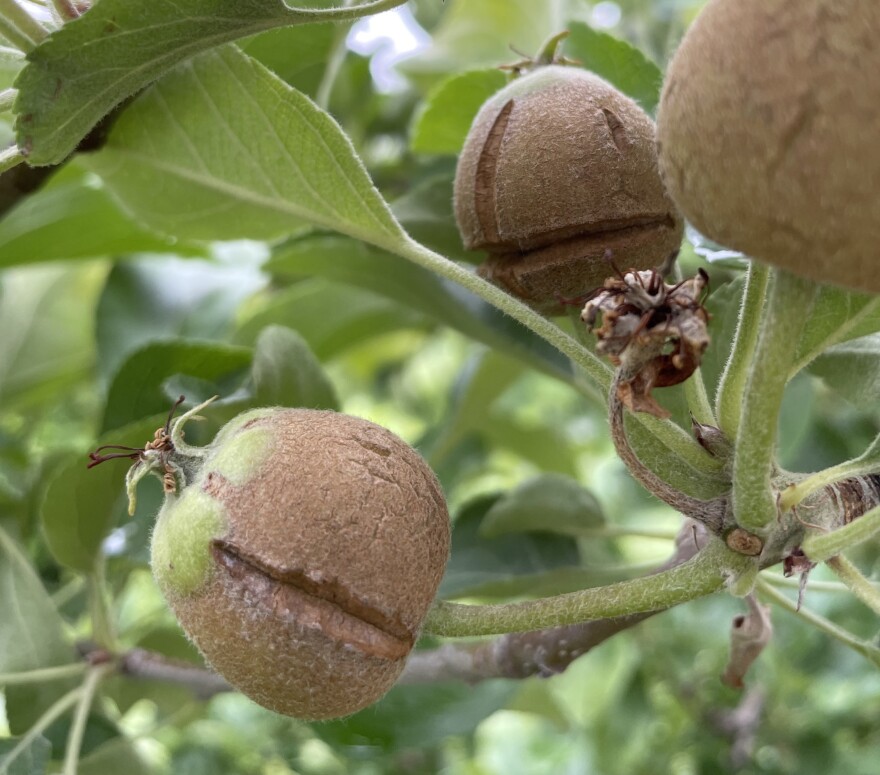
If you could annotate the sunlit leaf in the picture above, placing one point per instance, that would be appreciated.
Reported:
(74, 220)
(79, 74)
(446, 115)
(224, 149)
(615, 60)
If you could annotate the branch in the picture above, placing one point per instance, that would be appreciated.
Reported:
(540, 652)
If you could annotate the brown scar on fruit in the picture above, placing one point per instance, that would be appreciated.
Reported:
(326, 605)
(557, 168)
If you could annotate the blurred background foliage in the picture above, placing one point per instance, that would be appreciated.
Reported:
(104, 322)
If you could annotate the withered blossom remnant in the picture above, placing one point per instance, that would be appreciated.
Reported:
(656, 333)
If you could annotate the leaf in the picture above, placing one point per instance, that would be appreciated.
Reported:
(82, 504)
(480, 33)
(482, 380)
(32, 637)
(615, 60)
(46, 318)
(837, 316)
(477, 561)
(549, 502)
(853, 370)
(297, 55)
(357, 315)
(224, 149)
(136, 390)
(398, 279)
(160, 298)
(425, 211)
(445, 117)
(415, 717)
(33, 760)
(113, 757)
(75, 220)
(287, 373)
(85, 69)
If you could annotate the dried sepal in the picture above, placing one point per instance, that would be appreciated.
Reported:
(656, 333)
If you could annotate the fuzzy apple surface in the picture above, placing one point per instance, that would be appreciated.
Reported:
(302, 557)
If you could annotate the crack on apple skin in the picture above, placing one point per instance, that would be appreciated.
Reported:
(323, 604)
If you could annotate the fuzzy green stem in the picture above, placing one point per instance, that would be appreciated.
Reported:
(865, 648)
(789, 301)
(19, 27)
(794, 582)
(698, 400)
(821, 546)
(42, 675)
(866, 463)
(729, 399)
(673, 437)
(706, 573)
(81, 716)
(102, 629)
(850, 575)
(338, 52)
(59, 708)
(10, 157)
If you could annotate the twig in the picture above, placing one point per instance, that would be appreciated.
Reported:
(541, 652)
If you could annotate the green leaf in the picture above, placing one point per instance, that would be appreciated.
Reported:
(477, 562)
(85, 69)
(549, 502)
(73, 220)
(82, 504)
(297, 55)
(449, 109)
(837, 316)
(161, 298)
(287, 373)
(114, 757)
(33, 760)
(136, 390)
(224, 149)
(46, 316)
(32, 637)
(403, 281)
(358, 315)
(853, 370)
(617, 62)
(425, 211)
(414, 717)
(480, 33)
